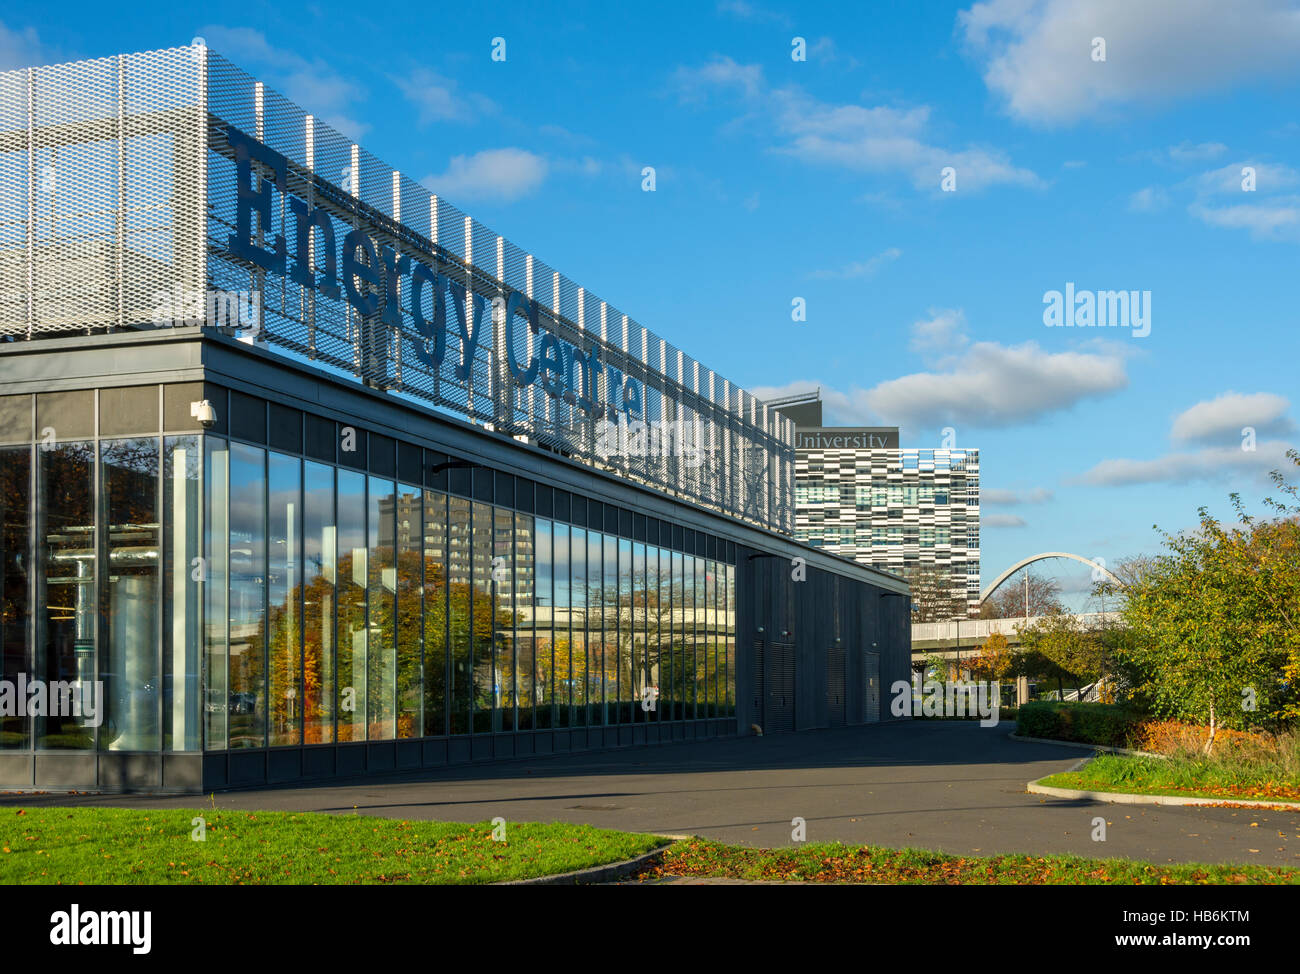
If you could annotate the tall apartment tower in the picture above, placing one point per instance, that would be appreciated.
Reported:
(861, 495)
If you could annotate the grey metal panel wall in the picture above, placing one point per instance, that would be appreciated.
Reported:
(810, 615)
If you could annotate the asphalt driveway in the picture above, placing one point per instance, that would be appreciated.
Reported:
(948, 785)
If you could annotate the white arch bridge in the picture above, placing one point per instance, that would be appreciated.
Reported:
(1094, 565)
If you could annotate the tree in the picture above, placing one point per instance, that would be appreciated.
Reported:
(995, 660)
(937, 596)
(1214, 619)
(1008, 602)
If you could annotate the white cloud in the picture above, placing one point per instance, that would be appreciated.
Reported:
(1196, 152)
(744, 10)
(1277, 218)
(1228, 179)
(23, 49)
(885, 139)
(993, 386)
(1037, 54)
(987, 385)
(312, 84)
(440, 99)
(940, 335)
(1224, 417)
(1148, 200)
(1002, 496)
(1211, 463)
(859, 138)
(1002, 521)
(861, 268)
(496, 174)
(694, 84)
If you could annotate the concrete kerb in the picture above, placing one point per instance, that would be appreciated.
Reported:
(1088, 747)
(601, 874)
(1129, 798)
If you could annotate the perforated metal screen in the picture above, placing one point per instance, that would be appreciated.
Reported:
(118, 198)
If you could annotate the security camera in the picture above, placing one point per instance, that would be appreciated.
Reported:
(205, 413)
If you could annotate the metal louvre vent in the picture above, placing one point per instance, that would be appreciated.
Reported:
(118, 198)
(871, 687)
(780, 689)
(836, 660)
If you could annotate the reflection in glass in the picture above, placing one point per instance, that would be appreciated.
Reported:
(701, 641)
(578, 625)
(609, 598)
(350, 651)
(435, 613)
(283, 595)
(544, 691)
(459, 559)
(247, 699)
(65, 536)
(563, 675)
(595, 634)
(130, 598)
(483, 623)
(680, 637)
(216, 617)
(410, 611)
(381, 650)
(525, 659)
(503, 568)
(182, 675)
(626, 633)
(15, 610)
(660, 630)
(319, 571)
(639, 591)
(730, 628)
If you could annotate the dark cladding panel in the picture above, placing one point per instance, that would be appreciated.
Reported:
(320, 439)
(409, 459)
(286, 428)
(177, 400)
(247, 417)
(71, 415)
(129, 410)
(383, 455)
(524, 495)
(15, 419)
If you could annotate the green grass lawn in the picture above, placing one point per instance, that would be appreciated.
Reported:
(129, 846)
(1179, 777)
(838, 863)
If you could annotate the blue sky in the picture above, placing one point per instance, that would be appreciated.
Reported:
(821, 179)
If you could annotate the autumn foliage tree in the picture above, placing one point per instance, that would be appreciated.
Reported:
(1216, 620)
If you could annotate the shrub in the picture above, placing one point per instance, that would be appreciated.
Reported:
(1108, 724)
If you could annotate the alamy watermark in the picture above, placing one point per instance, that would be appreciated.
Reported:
(956, 698)
(1098, 309)
(653, 440)
(83, 699)
(232, 310)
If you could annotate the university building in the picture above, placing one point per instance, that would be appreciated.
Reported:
(861, 495)
(306, 473)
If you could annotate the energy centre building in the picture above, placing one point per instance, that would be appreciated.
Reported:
(305, 473)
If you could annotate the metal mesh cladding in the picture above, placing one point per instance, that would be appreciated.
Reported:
(118, 197)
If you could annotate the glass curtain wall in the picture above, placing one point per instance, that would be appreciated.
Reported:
(15, 607)
(319, 580)
(435, 666)
(230, 596)
(410, 610)
(129, 595)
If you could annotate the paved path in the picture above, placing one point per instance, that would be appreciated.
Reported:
(947, 785)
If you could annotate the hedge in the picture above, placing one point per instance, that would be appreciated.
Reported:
(1110, 724)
